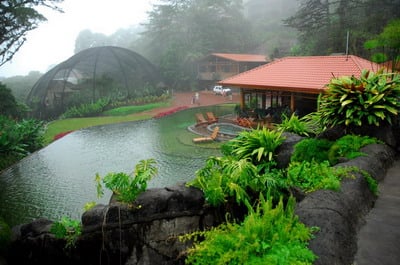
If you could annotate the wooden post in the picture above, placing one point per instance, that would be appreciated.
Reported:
(292, 102)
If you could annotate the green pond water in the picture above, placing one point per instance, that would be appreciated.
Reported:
(59, 179)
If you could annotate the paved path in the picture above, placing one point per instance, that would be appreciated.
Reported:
(379, 238)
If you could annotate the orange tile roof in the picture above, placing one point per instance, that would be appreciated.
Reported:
(242, 57)
(308, 74)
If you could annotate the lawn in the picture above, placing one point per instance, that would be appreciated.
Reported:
(117, 115)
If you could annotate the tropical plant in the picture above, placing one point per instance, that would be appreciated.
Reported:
(294, 124)
(311, 175)
(128, 187)
(257, 145)
(372, 99)
(225, 177)
(311, 149)
(67, 229)
(268, 235)
(18, 139)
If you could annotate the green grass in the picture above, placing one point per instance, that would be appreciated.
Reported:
(122, 114)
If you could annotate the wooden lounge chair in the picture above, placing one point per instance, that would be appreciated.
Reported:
(210, 138)
(211, 117)
(200, 119)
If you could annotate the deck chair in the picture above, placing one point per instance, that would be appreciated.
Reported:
(210, 138)
(211, 117)
(200, 119)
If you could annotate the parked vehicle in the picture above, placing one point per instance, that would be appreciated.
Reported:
(220, 90)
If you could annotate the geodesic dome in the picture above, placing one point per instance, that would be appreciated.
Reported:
(92, 74)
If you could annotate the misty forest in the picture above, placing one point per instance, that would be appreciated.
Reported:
(178, 33)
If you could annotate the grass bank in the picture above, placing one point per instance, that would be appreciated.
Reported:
(117, 115)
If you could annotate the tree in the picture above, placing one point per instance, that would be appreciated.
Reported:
(87, 39)
(17, 17)
(185, 30)
(387, 44)
(8, 104)
(323, 24)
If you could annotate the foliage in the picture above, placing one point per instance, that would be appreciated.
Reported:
(267, 236)
(311, 149)
(8, 106)
(313, 123)
(311, 175)
(323, 25)
(225, 177)
(67, 229)
(89, 205)
(386, 45)
(178, 33)
(349, 146)
(86, 110)
(371, 182)
(372, 99)
(257, 145)
(17, 18)
(18, 139)
(295, 125)
(128, 187)
(22, 85)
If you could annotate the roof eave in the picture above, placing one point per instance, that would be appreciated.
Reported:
(276, 88)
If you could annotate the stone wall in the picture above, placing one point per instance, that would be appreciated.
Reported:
(148, 233)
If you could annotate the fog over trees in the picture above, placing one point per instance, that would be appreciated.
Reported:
(179, 32)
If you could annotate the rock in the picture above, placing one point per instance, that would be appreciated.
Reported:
(286, 149)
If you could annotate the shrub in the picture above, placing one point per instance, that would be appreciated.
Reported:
(266, 236)
(86, 110)
(226, 177)
(19, 138)
(67, 229)
(295, 125)
(312, 176)
(257, 145)
(370, 100)
(349, 147)
(311, 149)
(128, 187)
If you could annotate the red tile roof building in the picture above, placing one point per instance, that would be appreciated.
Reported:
(307, 74)
(295, 81)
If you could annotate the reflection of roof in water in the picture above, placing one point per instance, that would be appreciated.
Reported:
(96, 73)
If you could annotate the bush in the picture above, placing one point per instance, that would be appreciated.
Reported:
(128, 187)
(257, 145)
(311, 149)
(225, 177)
(312, 176)
(18, 139)
(371, 100)
(267, 235)
(296, 125)
(349, 147)
(86, 110)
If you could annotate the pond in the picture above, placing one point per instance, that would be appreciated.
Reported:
(58, 180)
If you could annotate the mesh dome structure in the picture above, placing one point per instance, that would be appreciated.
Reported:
(92, 74)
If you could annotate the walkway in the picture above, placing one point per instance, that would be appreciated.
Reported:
(379, 238)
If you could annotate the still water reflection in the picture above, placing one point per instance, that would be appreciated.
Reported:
(59, 179)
